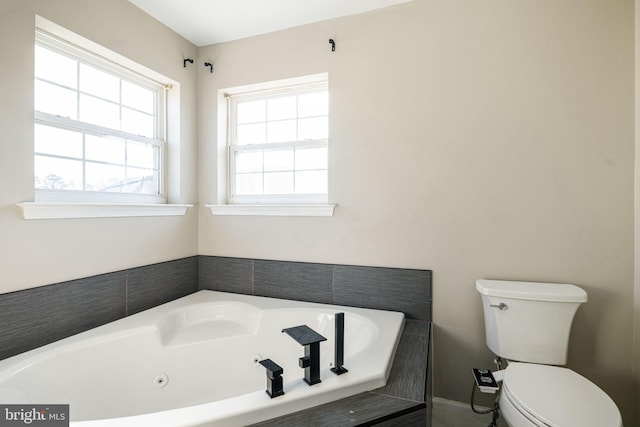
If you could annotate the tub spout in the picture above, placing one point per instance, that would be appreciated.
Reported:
(274, 378)
(310, 340)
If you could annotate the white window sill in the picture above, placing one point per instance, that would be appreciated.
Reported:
(272, 210)
(36, 210)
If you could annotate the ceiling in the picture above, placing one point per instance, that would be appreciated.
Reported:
(205, 22)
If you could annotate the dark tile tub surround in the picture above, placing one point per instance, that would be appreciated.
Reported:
(381, 288)
(293, 280)
(156, 284)
(38, 316)
(226, 274)
(397, 289)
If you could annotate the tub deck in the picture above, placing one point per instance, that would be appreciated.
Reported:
(403, 402)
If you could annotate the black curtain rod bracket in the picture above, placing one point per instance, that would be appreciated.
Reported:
(333, 45)
(184, 62)
(210, 65)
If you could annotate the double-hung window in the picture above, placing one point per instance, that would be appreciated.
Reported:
(99, 128)
(278, 145)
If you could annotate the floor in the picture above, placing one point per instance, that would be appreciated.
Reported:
(447, 413)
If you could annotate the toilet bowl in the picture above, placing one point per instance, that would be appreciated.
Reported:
(552, 396)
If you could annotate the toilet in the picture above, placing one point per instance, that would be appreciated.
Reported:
(528, 324)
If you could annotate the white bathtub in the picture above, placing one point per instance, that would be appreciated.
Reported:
(194, 362)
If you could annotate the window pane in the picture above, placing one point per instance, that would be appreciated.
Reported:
(104, 149)
(140, 154)
(250, 161)
(278, 160)
(142, 181)
(277, 125)
(311, 158)
(248, 183)
(61, 142)
(252, 111)
(315, 128)
(311, 182)
(251, 134)
(278, 183)
(102, 177)
(99, 83)
(313, 104)
(282, 108)
(99, 112)
(57, 68)
(137, 97)
(281, 131)
(57, 174)
(56, 100)
(137, 123)
(85, 96)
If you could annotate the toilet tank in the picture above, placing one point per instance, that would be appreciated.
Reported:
(529, 321)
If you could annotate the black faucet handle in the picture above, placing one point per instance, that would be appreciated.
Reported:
(274, 378)
(273, 369)
(304, 362)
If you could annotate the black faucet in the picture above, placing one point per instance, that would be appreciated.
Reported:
(338, 369)
(310, 339)
(274, 378)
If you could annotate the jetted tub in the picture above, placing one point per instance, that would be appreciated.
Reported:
(194, 362)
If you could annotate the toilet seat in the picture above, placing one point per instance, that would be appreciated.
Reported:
(557, 397)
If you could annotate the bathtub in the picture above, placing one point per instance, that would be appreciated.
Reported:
(195, 362)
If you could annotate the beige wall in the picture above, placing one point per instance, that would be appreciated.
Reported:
(40, 252)
(479, 139)
(636, 303)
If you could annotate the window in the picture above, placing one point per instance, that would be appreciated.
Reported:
(99, 128)
(278, 145)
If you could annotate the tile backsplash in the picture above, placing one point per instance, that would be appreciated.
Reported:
(34, 317)
(397, 289)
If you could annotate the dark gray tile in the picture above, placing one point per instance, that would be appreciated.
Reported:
(35, 317)
(156, 284)
(225, 274)
(359, 410)
(429, 375)
(293, 280)
(414, 419)
(407, 378)
(395, 289)
(416, 327)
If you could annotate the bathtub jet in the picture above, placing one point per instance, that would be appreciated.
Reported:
(155, 367)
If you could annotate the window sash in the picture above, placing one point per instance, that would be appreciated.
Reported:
(127, 163)
(154, 139)
(234, 148)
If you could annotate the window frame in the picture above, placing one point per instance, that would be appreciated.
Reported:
(82, 55)
(299, 86)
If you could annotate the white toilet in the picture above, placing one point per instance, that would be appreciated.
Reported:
(528, 324)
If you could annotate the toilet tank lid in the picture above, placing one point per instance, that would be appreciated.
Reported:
(560, 292)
